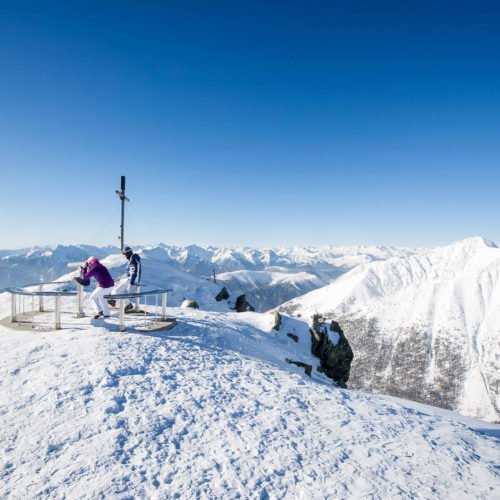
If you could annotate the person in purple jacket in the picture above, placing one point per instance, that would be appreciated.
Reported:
(93, 268)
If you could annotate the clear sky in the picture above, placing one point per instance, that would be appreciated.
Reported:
(250, 123)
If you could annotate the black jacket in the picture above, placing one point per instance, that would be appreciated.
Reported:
(134, 269)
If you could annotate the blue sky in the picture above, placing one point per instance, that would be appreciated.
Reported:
(250, 123)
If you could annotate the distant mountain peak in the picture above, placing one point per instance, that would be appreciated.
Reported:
(475, 241)
(423, 326)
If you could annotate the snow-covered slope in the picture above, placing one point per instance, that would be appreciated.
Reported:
(22, 267)
(269, 288)
(158, 274)
(326, 262)
(285, 272)
(424, 327)
(270, 276)
(211, 410)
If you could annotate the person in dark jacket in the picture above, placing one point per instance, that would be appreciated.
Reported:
(133, 267)
(94, 269)
(132, 277)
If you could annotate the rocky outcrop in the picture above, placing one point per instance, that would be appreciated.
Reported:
(222, 295)
(277, 320)
(190, 303)
(242, 305)
(333, 350)
(307, 368)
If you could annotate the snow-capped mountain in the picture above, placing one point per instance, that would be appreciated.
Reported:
(422, 322)
(269, 288)
(278, 274)
(22, 267)
(424, 327)
(211, 409)
(158, 274)
(325, 262)
(271, 276)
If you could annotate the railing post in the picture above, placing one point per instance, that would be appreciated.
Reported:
(32, 311)
(122, 315)
(13, 312)
(40, 298)
(79, 302)
(164, 306)
(138, 299)
(58, 313)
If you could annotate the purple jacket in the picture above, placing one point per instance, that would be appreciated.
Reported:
(100, 273)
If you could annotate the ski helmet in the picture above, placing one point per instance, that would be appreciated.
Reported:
(127, 251)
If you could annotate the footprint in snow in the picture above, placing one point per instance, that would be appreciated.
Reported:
(119, 405)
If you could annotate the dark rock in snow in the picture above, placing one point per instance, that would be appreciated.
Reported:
(307, 368)
(222, 295)
(190, 303)
(335, 356)
(294, 337)
(242, 305)
(335, 327)
(277, 320)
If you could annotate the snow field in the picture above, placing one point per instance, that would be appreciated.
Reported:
(441, 305)
(210, 410)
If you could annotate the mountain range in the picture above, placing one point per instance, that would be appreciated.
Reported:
(423, 323)
(424, 327)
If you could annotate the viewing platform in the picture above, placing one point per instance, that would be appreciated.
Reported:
(41, 307)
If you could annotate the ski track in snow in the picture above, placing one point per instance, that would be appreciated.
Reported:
(89, 412)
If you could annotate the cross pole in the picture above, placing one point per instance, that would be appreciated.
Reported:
(123, 198)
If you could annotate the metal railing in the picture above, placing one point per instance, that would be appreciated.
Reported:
(122, 297)
(17, 298)
(19, 295)
(40, 286)
(79, 295)
(137, 287)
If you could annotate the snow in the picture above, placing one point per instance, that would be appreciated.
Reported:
(210, 409)
(21, 267)
(450, 296)
(269, 278)
(302, 269)
(270, 288)
(158, 274)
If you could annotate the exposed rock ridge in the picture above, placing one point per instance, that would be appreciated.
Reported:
(334, 352)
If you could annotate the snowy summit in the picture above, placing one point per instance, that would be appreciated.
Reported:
(219, 407)
(424, 327)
